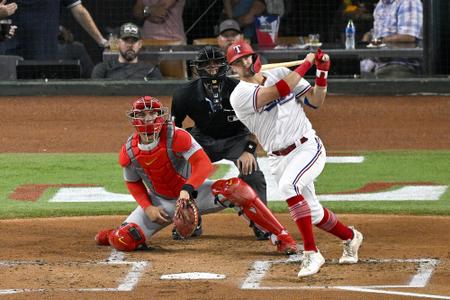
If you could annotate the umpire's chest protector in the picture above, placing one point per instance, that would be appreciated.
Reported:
(162, 167)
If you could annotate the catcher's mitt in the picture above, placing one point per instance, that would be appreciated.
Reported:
(186, 218)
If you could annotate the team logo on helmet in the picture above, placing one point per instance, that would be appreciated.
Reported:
(237, 49)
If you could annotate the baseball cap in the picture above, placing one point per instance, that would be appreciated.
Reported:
(129, 30)
(229, 24)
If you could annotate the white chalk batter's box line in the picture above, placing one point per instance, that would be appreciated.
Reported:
(426, 267)
(126, 284)
(253, 280)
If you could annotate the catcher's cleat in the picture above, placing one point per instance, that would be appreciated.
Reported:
(285, 243)
(311, 263)
(259, 234)
(101, 238)
(351, 247)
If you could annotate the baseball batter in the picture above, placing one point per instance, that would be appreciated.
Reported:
(163, 165)
(270, 104)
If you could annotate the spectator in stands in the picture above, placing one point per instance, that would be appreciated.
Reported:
(127, 65)
(7, 9)
(163, 19)
(68, 49)
(244, 11)
(359, 11)
(38, 22)
(229, 33)
(396, 22)
(6, 30)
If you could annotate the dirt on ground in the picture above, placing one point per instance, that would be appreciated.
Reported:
(56, 258)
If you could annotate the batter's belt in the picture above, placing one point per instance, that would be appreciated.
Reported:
(289, 148)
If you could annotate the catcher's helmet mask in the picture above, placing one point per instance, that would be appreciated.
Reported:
(148, 116)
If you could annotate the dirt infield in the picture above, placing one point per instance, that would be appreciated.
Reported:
(402, 256)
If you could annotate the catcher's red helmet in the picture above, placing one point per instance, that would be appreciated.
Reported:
(148, 115)
(238, 50)
(128, 237)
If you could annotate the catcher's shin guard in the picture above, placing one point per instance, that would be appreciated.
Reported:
(128, 237)
(242, 195)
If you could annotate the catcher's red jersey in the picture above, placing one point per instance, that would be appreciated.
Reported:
(160, 169)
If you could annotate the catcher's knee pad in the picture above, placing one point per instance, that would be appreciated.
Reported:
(242, 195)
(128, 237)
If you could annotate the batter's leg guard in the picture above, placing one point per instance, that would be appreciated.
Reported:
(242, 195)
(128, 237)
(101, 238)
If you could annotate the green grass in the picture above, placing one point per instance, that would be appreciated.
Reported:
(103, 170)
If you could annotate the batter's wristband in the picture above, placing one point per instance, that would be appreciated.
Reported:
(283, 88)
(321, 78)
(303, 68)
(250, 147)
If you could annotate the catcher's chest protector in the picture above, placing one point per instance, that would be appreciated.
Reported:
(159, 166)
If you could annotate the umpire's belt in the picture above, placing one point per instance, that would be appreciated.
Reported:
(289, 148)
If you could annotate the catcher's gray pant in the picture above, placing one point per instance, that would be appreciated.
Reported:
(231, 149)
(205, 204)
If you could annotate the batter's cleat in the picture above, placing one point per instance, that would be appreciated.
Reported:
(197, 232)
(351, 247)
(260, 234)
(311, 263)
(285, 243)
(101, 238)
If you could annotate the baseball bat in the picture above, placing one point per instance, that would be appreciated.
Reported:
(286, 64)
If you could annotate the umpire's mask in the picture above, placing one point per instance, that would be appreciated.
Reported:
(211, 66)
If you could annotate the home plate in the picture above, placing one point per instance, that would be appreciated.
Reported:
(192, 276)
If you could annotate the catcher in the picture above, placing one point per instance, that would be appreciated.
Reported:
(165, 170)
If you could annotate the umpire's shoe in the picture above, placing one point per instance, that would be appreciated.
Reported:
(259, 234)
(197, 232)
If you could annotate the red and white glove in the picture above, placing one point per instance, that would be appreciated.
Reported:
(322, 63)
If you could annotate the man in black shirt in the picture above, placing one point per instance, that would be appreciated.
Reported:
(206, 101)
(127, 66)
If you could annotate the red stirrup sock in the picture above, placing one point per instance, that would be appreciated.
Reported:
(301, 214)
(331, 224)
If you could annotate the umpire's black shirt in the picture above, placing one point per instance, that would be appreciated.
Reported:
(191, 100)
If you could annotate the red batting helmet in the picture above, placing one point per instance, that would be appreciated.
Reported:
(241, 49)
(128, 237)
(148, 115)
(238, 50)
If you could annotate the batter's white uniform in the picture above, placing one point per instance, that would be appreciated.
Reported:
(278, 125)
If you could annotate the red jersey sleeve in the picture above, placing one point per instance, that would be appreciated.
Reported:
(201, 168)
(182, 140)
(139, 192)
